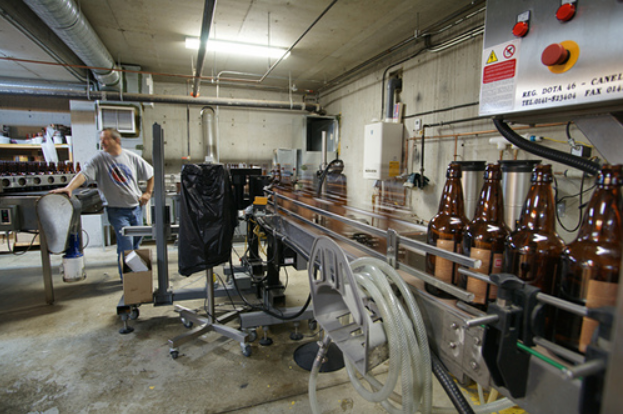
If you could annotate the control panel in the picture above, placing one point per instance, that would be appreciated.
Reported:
(9, 218)
(555, 56)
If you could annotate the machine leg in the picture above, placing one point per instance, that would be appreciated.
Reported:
(296, 335)
(265, 341)
(126, 328)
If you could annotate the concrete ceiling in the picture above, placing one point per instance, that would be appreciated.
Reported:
(151, 34)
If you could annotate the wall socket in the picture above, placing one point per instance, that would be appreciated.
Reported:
(417, 124)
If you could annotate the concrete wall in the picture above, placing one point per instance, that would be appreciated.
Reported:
(244, 135)
(434, 81)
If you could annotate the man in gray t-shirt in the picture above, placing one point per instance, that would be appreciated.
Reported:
(117, 173)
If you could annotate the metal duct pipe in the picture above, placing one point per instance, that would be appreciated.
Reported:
(208, 15)
(393, 84)
(184, 100)
(210, 145)
(67, 21)
(23, 19)
(18, 83)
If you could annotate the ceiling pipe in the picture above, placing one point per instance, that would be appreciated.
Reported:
(18, 83)
(274, 65)
(24, 20)
(208, 15)
(165, 99)
(67, 21)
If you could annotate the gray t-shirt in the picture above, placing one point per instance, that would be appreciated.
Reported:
(117, 177)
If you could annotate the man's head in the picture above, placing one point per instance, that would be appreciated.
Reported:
(110, 141)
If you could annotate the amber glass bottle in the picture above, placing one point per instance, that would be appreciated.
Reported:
(532, 252)
(445, 231)
(590, 264)
(484, 237)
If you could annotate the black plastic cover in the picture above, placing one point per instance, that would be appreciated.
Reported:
(208, 218)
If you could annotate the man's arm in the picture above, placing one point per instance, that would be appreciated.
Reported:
(76, 182)
(148, 192)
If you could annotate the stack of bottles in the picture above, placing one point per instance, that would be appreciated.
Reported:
(584, 272)
(32, 175)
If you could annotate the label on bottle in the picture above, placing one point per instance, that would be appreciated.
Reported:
(444, 267)
(598, 294)
(491, 263)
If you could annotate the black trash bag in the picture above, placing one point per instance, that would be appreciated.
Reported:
(208, 218)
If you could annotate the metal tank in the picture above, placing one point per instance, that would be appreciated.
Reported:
(471, 180)
(516, 175)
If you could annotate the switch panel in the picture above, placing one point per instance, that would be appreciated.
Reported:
(570, 61)
(9, 218)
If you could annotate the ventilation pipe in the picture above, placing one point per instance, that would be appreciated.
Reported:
(18, 83)
(168, 99)
(210, 146)
(67, 21)
(393, 84)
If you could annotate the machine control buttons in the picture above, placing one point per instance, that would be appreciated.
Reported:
(565, 12)
(554, 54)
(520, 29)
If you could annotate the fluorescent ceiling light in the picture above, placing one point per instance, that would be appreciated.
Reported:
(244, 49)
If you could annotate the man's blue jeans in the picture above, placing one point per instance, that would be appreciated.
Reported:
(120, 218)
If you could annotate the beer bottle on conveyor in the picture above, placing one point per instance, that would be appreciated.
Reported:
(445, 231)
(590, 264)
(532, 252)
(484, 237)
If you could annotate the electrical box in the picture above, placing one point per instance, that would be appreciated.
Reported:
(9, 218)
(382, 150)
(547, 58)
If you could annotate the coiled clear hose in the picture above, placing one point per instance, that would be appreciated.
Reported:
(408, 348)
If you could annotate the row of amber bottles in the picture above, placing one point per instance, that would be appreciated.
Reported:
(15, 168)
(584, 272)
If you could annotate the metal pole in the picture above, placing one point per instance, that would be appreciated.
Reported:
(163, 295)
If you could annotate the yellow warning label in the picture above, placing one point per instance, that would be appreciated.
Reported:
(394, 168)
(492, 58)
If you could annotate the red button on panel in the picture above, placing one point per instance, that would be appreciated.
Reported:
(554, 54)
(565, 12)
(520, 29)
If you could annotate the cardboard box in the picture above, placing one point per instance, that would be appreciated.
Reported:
(138, 287)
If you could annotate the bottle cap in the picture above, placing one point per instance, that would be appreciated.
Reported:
(542, 173)
(492, 172)
(454, 170)
(610, 175)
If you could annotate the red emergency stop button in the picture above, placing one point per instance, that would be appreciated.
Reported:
(520, 29)
(565, 12)
(554, 54)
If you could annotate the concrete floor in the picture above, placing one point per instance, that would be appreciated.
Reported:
(70, 358)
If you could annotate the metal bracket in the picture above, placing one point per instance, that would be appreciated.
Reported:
(392, 248)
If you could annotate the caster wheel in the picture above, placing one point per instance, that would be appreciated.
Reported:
(134, 314)
(174, 354)
(296, 336)
(246, 350)
(126, 330)
(252, 335)
(187, 324)
(312, 325)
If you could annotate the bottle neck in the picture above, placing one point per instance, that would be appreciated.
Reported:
(490, 205)
(539, 210)
(451, 202)
(602, 220)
